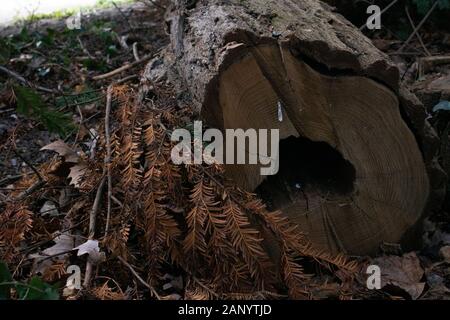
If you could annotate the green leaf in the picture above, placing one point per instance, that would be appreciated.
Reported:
(29, 103)
(37, 289)
(5, 276)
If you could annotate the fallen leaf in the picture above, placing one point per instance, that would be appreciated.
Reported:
(63, 150)
(76, 174)
(58, 252)
(63, 243)
(91, 248)
(403, 272)
(49, 208)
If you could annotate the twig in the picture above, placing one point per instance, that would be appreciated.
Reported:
(135, 52)
(92, 220)
(117, 201)
(39, 184)
(17, 153)
(24, 81)
(129, 266)
(123, 68)
(127, 78)
(86, 52)
(123, 42)
(95, 206)
(81, 93)
(418, 35)
(11, 178)
(6, 110)
(125, 18)
(44, 258)
(108, 156)
(79, 127)
(426, 63)
(81, 103)
(404, 53)
(157, 5)
(416, 29)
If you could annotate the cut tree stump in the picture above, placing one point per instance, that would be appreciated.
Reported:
(358, 161)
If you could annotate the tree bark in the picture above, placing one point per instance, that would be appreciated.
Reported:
(365, 169)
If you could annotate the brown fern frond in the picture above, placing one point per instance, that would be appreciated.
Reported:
(105, 292)
(295, 240)
(131, 153)
(293, 275)
(202, 220)
(15, 222)
(197, 289)
(55, 271)
(246, 240)
(328, 259)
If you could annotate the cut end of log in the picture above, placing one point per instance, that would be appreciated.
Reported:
(351, 173)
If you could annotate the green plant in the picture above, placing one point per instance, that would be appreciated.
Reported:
(35, 289)
(30, 103)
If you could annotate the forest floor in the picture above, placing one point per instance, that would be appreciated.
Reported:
(50, 70)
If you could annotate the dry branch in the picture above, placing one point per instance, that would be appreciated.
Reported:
(123, 68)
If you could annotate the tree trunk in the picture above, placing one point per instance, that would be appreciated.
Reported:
(357, 157)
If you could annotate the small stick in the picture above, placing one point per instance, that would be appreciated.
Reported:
(139, 277)
(125, 18)
(418, 35)
(127, 78)
(123, 42)
(135, 52)
(24, 81)
(28, 164)
(10, 178)
(82, 103)
(79, 127)
(123, 68)
(39, 184)
(157, 5)
(108, 156)
(86, 52)
(416, 29)
(92, 220)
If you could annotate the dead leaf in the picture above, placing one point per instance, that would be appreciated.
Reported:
(89, 109)
(403, 272)
(58, 252)
(92, 249)
(63, 150)
(49, 208)
(76, 174)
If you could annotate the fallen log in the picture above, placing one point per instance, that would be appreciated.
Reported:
(358, 160)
